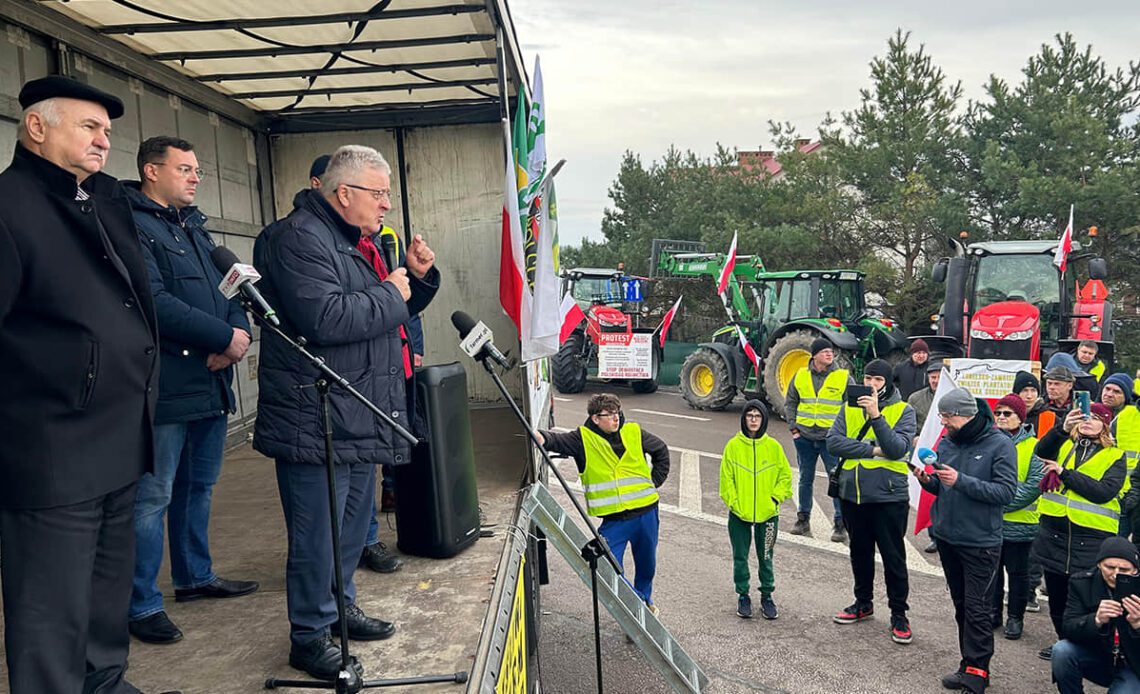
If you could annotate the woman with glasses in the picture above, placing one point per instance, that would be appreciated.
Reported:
(1079, 506)
(1019, 522)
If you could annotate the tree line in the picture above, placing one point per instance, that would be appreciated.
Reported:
(912, 166)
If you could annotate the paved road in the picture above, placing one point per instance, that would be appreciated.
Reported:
(803, 651)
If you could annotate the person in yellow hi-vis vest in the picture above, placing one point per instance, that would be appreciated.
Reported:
(755, 478)
(621, 487)
(1019, 522)
(1116, 395)
(874, 441)
(1087, 359)
(1078, 515)
(813, 400)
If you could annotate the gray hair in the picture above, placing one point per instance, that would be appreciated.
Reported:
(348, 162)
(48, 109)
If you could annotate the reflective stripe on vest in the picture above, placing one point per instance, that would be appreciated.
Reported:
(1127, 437)
(1029, 514)
(854, 418)
(819, 409)
(615, 484)
(1079, 510)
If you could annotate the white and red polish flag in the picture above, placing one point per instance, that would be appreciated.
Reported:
(729, 265)
(668, 320)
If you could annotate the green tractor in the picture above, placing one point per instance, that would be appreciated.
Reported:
(780, 314)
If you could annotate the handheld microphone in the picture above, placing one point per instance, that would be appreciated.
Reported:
(388, 251)
(475, 339)
(927, 456)
(237, 277)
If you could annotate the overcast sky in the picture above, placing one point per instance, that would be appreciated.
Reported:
(644, 74)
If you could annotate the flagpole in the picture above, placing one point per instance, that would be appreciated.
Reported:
(501, 64)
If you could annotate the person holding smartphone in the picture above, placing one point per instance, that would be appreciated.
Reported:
(873, 437)
(1101, 626)
(1079, 506)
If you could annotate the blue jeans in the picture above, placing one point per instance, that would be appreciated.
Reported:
(640, 534)
(309, 566)
(187, 462)
(1075, 662)
(387, 482)
(807, 452)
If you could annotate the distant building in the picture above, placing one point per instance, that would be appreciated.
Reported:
(764, 160)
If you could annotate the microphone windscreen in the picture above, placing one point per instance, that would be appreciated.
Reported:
(462, 322)
(926, 455)
(223, 258)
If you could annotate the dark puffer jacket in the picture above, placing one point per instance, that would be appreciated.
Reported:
(194, 319)
(324, 289)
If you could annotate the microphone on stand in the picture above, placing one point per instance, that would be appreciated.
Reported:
(237, 277)
(476, 340)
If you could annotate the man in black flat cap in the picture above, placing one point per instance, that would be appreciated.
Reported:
(78, 362)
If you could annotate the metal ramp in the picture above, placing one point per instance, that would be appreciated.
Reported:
(615, 594)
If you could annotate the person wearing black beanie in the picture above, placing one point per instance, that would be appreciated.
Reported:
(873, 437)
(1028, 388)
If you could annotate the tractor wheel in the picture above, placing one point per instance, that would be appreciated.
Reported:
(648, 385)
(568, 368)
(787, 356)
(705, 381)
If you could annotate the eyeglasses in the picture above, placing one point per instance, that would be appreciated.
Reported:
(376, 194)
(608, 415)
(184, 171)
(1004, 413)
(753, 415)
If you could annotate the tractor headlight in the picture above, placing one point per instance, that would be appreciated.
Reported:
(980, 334)
(1020, 335)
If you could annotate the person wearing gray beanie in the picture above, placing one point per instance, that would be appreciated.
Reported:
(1101, 642)
(873, 436)
(975, 478)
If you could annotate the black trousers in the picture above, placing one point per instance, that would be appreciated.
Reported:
(883, 526)
(1058, 586)
(67, 587)
(1015, 563)
(972, 574)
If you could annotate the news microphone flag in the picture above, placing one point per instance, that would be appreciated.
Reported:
(932, 432)
(1065, 245)
(668, 320)
(729, 266)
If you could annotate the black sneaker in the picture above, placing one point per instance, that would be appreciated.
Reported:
(838, 532)
(1032, 605)
(900, 629)
(379, 559)
(854, 613)
(744, 607)
(768, 608)
(156, 628)
(802, 525)
(955, 680)
(1045, 653)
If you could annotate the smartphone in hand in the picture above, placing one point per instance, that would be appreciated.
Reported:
(1126, 584)
(1082, 400)
(854, 392)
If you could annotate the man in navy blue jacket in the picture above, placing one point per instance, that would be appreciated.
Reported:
(201, 336)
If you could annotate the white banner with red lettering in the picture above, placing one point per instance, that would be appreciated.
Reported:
(622, 355)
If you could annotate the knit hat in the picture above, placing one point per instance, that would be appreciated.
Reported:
(1024, 380)
(1013, 402)
(958, 401)
(919, 345)
(1123, 382)
(319, 165)
(1101, 412)
(819, 344)
(1117, 547)
(878, 367)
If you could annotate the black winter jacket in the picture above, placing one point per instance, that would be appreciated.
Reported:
(909, 378)
(969, 514)
(1061, 546)
(325, 290)
(78, 347)
(194, 319)
(1086, 590)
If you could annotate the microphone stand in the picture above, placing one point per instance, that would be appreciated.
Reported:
(350, 679)
(596, 547)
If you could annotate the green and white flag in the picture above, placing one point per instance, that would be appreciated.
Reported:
(546, 319)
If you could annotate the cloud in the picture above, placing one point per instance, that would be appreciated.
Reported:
(642, 75)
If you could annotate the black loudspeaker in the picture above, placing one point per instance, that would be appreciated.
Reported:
(437, 503)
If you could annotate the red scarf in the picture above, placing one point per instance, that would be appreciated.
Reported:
(372, 255)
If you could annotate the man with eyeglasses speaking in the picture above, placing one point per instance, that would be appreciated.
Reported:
(327, 279)
(975, 478)
(621, 487)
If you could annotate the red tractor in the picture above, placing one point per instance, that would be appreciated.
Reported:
(1007, 300)
(610, 344)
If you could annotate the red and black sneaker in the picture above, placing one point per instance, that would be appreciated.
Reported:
(854, 613)
(900, 629)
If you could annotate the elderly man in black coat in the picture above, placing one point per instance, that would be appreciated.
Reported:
(326, 278)
(78, 364)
